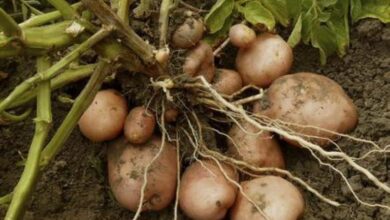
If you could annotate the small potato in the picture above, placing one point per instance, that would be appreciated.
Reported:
(241, 35)
(205, 193)
(265, 59)
(278, 199)
(139, 125)
(188, 34)
(261, 150)
(227, 81)
(104, 118)
(200, 61)
(171, 115)
(126, 167)
(309, 99)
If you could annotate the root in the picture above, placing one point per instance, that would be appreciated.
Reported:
(175, 209)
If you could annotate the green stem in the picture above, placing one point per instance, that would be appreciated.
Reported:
(45, 18)
(164, 20)
(80, 105)
(64, 7)
(53, 70)
(6, 199)
(9, 25)
(123, 10)
(6, 117)
(24, 189)
(65, 78)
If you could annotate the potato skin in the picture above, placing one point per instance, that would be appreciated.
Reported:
(200, 61)
(227, 81)
(265, 59)
(139, 125)
(205, 195)
(278, 198)
(310, 99)
(241, 35)
(104, 118)
(126, 165)
(260, 150)
(188, 34)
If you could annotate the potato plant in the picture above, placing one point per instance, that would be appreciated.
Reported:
(206, 138)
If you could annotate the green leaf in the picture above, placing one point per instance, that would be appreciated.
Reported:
(379, 9)
(279, 9)
(294, 9)
(255, 13)
(338, 23)
(309, 19)
(323, 39)
(220, 35)
(295, 36)
(218, 14)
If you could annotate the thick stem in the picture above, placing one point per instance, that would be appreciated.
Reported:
(53, 70)
(64, 7)
(9, 25)
(166, 5)
(24, 189)
(80, 105)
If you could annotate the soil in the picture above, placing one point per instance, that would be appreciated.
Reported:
(74, 185)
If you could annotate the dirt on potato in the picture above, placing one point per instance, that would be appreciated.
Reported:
(74, 186)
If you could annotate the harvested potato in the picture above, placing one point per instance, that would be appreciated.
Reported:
(200, 61)
(265, 59)
(241, 35)
(104, 118)
(139, 125)
(258, 149)
(126, 167)
(278, 199)
(227, 81)
(188, 34)
(171, 114)
(205, 193)
(309, 99)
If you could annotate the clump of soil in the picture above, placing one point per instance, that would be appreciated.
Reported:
(74, 185)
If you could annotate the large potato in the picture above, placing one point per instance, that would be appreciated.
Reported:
(310, 99)
(126, 168)
(105, 117)
(265, 59)
(261, 150)
(205, 193)
(278, 199)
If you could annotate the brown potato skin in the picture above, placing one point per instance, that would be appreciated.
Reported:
(241, 35)
(171, 115)
(313, 100)
(205, 195)
(188, 34)
(126, 165)
(139, 125)
(227, 81)
(200, 61)
(265, 59)
(104, 118)
(260, 150)
(278, 198)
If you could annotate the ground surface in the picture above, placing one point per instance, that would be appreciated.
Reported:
(74, 186)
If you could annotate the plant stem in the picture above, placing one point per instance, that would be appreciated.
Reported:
(64, 7)
(130, 38)
(80, 105)
(24, 189)
(165, 7)
(6, 199)
(53, 70)
(123, 10)
(9, 25)
(6, 117)
(45, 18)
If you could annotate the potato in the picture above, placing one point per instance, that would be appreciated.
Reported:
(205, 193)
(241, 35)
(139, 125)
(200, 61)
(171, 114)
(309, 99)
(261, 150)
(278, 199)
(188, 34)
(126, 167)
(265, 59)
(104, 118)
(227, 81)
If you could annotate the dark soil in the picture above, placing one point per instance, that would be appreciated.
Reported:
(74, 185)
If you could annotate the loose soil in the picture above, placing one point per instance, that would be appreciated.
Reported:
(74, 185)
